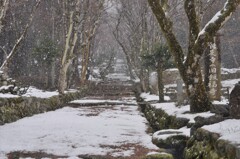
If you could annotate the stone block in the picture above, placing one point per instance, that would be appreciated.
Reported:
(235, 102)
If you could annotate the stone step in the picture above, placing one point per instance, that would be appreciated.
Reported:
(111, 94)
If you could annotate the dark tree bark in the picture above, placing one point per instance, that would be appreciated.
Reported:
(160, 81)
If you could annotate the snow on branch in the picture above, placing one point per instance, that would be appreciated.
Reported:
(218, 20)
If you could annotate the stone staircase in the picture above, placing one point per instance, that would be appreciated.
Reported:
(111, 90)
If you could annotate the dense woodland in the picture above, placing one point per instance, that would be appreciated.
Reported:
(55, 44)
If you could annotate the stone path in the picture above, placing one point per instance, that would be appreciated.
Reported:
(105, 124)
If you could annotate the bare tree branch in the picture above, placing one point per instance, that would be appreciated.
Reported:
(20, 39)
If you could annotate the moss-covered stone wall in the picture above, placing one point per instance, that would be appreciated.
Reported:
(12, 109)
(201, 145)
(159, 119)
(207, 145)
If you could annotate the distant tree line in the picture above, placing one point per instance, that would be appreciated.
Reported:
(63, 40)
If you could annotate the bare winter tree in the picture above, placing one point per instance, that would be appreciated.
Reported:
(94, 14)
(199, 39)
(82, 19)
(72, 13)
(4, 66)
(3, 9)
(134, 30)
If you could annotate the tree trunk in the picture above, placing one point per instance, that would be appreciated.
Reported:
(53, 75)
(207, 62)
(74, 75)
(218, 68)
(160, 82)
(198, 99)
(144, 80)
(85, 61)
(189, 68)
(62, 81)
(3, 10)
(196, 91)
(70, 43)
(66, 57)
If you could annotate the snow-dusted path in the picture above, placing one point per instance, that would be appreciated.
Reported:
(70, 132)
(93, 126)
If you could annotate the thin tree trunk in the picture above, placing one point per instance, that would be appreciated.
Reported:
(85, 62)
(3, 10)
(19, 40)
(63, 67)
(86, 50)
(53, 74)
(62, 84)
(160, 82)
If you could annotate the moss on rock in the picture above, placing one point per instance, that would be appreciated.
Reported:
(159, 119)
(207, 145)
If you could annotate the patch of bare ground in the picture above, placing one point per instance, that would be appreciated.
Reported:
(96, 110)
(36, 155)
(139, 152)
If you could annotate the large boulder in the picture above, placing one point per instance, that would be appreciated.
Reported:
(158, 155)
(235, 102)
(173, 140)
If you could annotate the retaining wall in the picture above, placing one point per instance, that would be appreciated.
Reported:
(12, 109)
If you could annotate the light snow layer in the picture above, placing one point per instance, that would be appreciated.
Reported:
(8, 96)
(227, 71)
(230, 83)
(34, 92)
(228, 129)
(172, 109)
(164, 134)
(180, 112)
(118, 76)
(151, 97)
(96, 101)
(77, 131)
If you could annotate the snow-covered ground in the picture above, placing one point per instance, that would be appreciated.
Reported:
(34, 92)
(181, 112)
(8, 95)
(151, 97)
(77, 131)
(228, 129)
(227, 70)
(230, 83)
(96, 101)
(118, 76)
(97, 130)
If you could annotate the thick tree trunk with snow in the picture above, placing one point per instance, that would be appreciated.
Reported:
(189, 69)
